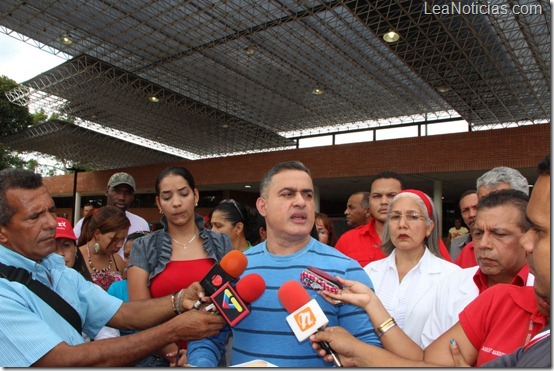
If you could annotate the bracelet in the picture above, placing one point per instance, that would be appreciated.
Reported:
(178, 305)
(173, 303)
(385, 326)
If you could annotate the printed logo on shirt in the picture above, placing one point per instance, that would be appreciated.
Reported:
(489, 350)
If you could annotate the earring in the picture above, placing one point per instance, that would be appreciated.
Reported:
(96, 247)
(161, 212)
(196, 204)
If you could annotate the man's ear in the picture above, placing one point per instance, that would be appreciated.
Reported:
(3, 236)
(261, 204)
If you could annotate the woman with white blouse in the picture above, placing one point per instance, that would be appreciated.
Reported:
(405, 280)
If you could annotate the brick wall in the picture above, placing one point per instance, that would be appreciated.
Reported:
(515, 147)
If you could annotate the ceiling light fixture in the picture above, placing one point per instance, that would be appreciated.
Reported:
(318, 91)
(249, 51)
(443, 88)
(248, 186)
(66, 40)
(391, 36)
(153, 99)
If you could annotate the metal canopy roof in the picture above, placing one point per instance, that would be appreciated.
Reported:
(237, 76)
(93, 150)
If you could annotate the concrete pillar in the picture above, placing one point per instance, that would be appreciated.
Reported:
(437, 200)
(316, 198)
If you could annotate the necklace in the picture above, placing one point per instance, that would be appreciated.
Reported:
(185, 245)
(92, 266)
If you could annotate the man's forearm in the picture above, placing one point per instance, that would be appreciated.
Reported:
(120, 351)
(142, 314)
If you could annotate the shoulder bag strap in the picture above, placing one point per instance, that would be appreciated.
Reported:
(48, 295)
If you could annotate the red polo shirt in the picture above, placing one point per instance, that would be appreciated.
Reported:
(500, 320)
(466, 259)
(361, 244)
(520, 278)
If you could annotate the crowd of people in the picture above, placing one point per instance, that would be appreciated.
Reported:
(110, 292)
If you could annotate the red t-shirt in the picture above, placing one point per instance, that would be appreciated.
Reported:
(177, 275)
(500, 320)
(361, 244)
(466, 259)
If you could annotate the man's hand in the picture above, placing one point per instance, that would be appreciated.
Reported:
(198, 324)
(341, 341)
(191, 294)
(353, 292)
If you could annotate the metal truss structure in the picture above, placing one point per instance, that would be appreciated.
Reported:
(235, 76)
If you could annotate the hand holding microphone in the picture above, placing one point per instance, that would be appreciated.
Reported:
(306, 316)
(232, 303)
(231, 266)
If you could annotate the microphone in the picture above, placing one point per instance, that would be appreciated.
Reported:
(232, 303)
(228, 269)
(306, 316)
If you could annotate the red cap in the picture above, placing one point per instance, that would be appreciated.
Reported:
(292, 295)
(250, 287)
(234, 263)
(64, 230)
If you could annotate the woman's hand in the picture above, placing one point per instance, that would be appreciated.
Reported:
(353, 292)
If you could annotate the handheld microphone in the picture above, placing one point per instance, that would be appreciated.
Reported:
(228, 269)
(306, 316)
(232, 303)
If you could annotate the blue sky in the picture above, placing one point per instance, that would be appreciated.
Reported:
(20, 61)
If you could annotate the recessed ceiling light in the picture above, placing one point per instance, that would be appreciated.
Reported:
(318, 91)
(249, 51)
(391, 36)
(153, 99)
(443, 88)
(66, 40)
(248, 186)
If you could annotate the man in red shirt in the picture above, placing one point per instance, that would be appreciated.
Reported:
(363, 243)
(493, 180)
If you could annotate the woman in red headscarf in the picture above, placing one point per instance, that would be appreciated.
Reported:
(404, 281)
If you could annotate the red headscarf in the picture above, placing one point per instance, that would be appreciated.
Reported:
(426, 200)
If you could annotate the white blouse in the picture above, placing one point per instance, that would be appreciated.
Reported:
(409, 302)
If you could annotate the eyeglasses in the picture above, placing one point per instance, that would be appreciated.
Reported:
(410, 218)
(231, 201)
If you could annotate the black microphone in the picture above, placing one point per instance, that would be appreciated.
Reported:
(231, 266)
(233, 302)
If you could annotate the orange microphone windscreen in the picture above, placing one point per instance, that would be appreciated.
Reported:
(234, 263)
(292, 295)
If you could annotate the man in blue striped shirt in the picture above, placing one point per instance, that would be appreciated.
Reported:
(287, 203)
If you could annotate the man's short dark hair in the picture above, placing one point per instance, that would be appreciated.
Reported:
(289, 165)
(388, 175)
(13, 179)
(507, 197)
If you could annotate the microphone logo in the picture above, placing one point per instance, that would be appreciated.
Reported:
(305, 319)
(231, 302)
